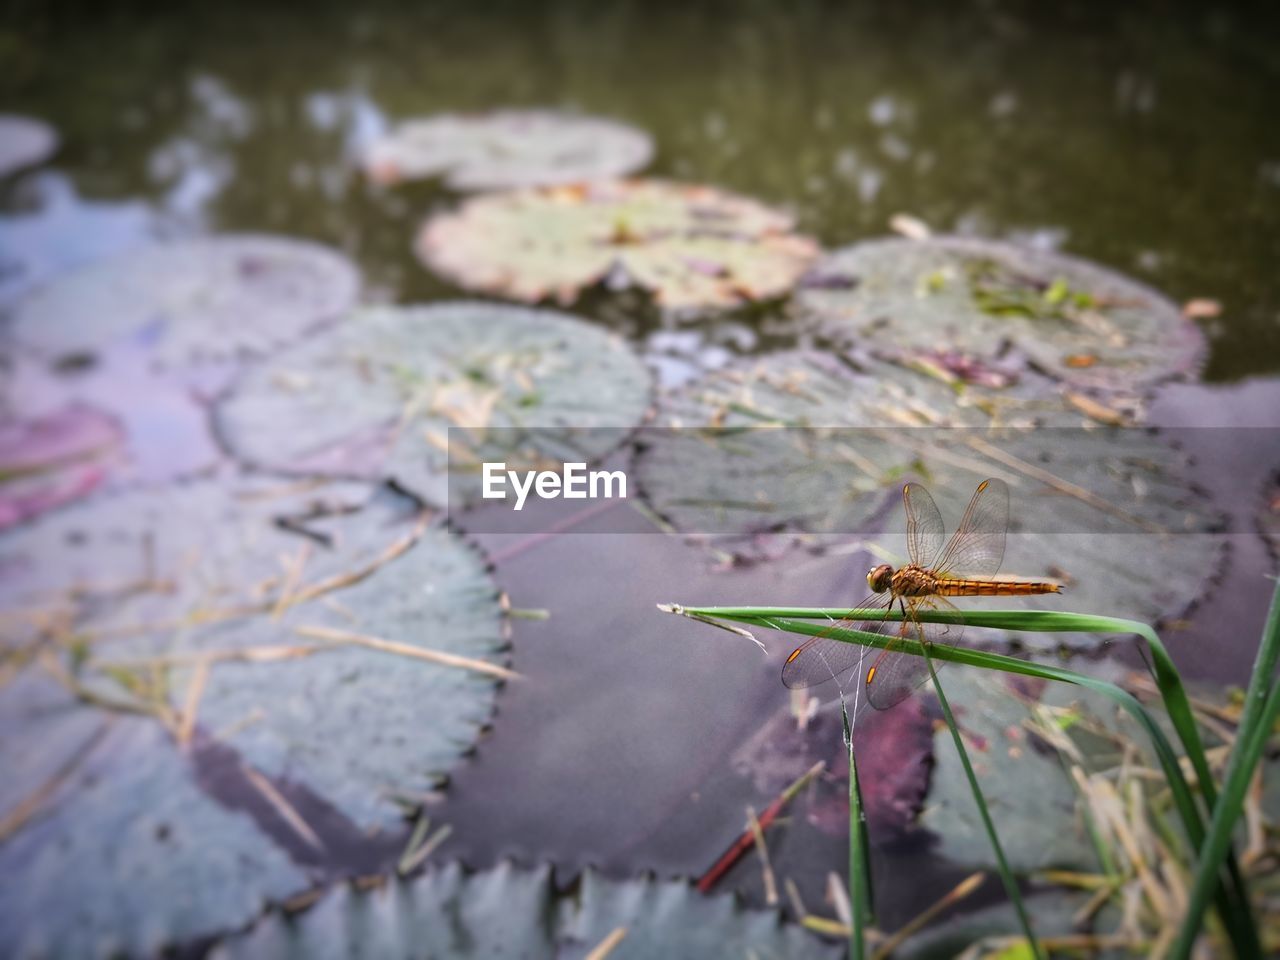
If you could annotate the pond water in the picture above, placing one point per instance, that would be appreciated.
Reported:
(1132, 137)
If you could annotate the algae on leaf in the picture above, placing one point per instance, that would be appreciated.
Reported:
(1074, 320)
(504, 149)
(377, 396)
(207, 299)
(694, 248)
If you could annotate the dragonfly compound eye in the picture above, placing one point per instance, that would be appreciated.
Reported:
(879, 577)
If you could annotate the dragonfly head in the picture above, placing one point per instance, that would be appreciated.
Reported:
(878, 578)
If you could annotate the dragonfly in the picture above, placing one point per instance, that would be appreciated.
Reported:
(964, 567)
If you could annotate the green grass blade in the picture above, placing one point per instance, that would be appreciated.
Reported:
(1232, 900)
(1261, 706)
(1006, 874)
(859, 866)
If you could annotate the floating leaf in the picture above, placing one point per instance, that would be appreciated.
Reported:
(24, 142)
(62, 230)
(508, 911)
(979, 297)
(1091, 505)
(504, 149)
(693, 247)
(1028, 791)
(297, 628)
(53, 459)
(192, 300)
(894, 751)
(378, 394)
(121, 852)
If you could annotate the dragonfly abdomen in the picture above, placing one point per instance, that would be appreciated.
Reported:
(958, 587)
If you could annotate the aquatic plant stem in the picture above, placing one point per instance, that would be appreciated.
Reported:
(1006, 874)
(1261, 707)
(859, 868)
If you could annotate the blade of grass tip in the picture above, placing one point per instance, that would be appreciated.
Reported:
(1261, 705)
(1006, 875)
(1232, 900)
(859, 872)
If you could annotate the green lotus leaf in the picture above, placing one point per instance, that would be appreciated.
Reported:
(378, 394)
(208, 299)
(295, 628)
(122, 852)
(1026, 785)
(800, 443)
(514, 912)
(1071, 319)
(694, 248)
(504, 149)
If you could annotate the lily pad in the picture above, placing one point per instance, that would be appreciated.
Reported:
(804, 444)
(209, 299)
(505, 149)
(1072, 319)
(1026, 785)
(51, 460)
(514, 912)
(24, 142)
(694, 248)
(376, 396)
(122, 853)
(894, 750)
(296, 628)
(62, 230)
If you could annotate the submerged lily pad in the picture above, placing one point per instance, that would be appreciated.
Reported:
(50, 460)
(376, 396)
(24, 141)
(509, 148)
(801, 443)
(296, 628)
(693, 247)
(513, 912)
(1072, 319)
(213, 298)
(894, 750)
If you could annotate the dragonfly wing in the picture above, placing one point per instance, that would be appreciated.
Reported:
(925, 530)
(977, 547)
(895, 675)
(823, 658)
